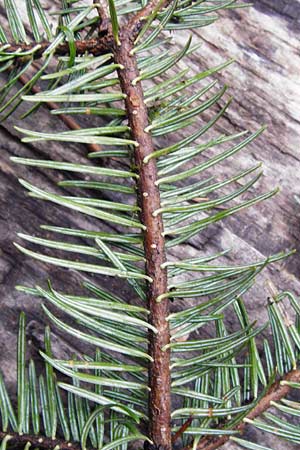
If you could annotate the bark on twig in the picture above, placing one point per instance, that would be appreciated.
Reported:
(154, 242)
(154, 245)
(92, 46)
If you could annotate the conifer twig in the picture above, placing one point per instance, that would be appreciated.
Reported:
(276, 392)
(93, 46)
(181, 430)
(103, 16)
(154, 241)
(135, 24)
(154, 245)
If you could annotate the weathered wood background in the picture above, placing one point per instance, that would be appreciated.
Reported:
(265, 83)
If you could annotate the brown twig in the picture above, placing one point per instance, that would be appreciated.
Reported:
(92, 46)
(18, 440)
(154, 242)
(181, 430)
(103, 14)
(276, 392)
(154, 245)
(135, 24)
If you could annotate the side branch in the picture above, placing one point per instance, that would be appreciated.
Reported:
(137, 21)
(275, 393)
(104, 22)
(92, 46)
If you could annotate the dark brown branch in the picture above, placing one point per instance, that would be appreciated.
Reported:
(92, 46)
(42, 442)
(275, 393)
(154, 245)
(181, 430)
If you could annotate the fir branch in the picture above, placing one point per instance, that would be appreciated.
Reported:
(276, 392)
(120, 41)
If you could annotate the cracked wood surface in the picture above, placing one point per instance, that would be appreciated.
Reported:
(265, 84)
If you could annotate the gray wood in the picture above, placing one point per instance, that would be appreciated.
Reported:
(265, 84)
